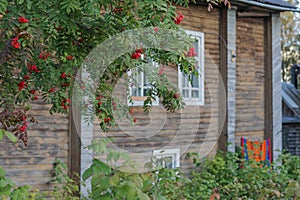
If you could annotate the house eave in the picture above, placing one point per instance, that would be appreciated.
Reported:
(266, 6)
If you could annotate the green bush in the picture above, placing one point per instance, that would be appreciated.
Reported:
(110, 181)
(225, 174)
(239, 179)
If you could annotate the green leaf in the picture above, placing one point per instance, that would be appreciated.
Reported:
(1, 134)
(10, 136)
(137, 181)
(29, 4)
(87, 174)
(131, 194)
(100, 181)
(3, 6)
(122, 191)
(114, 180)
(142, 196)
(2, 172)
(109, 156)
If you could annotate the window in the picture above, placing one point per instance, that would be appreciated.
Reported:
(193, 91)
(169, 158)
(139, 86)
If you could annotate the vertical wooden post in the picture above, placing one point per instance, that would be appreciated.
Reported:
(228, 74)
(87, 133)
(268, 79)
(74, 143)
(276, 86)
(223, 71)
(273, 112)
(231, 78)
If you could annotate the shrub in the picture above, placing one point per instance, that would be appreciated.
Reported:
(224, 175)
(239, 179)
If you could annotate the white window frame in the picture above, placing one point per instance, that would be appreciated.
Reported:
(200, 60)
(173, 153)
(139, 100)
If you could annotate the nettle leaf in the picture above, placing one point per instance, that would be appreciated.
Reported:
(101, 167)
(114, 180)
(87, 174)
(101, 181)
(131, 194)
(142, 196)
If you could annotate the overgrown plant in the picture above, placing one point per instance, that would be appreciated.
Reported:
(110, 180)
(225, 175)
(236, 178)
(9, 190)
(67, 188)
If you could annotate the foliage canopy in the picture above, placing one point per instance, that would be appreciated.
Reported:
(44, 43)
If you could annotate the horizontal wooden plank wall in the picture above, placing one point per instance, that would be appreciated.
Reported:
(157, 129)
(47, 140)
(291, 138)
(250, 79)
(197, 18)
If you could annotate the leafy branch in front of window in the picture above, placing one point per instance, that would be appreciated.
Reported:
(44, 44)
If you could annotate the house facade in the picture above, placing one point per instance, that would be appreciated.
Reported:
(238, 94)
(241, 89)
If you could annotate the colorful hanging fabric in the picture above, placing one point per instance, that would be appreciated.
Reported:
(258, 151)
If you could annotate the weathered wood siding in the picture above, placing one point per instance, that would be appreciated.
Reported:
(187, 128)
(231, 77)
(276, 86)
(199, 19)
(47, 140)
(250, 79)
(291, 138)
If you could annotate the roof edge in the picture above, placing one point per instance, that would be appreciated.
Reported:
(268, 6)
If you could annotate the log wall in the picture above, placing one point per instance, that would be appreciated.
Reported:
(47, 141)
(250, 79)
(186, 129)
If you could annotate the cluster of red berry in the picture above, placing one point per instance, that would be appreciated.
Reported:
(178, 18)
(137, 54)
(15, 43)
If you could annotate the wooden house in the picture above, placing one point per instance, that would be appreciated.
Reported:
(238, 95)
(291, 118)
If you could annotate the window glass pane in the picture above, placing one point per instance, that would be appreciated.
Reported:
(145, 91)
(169, 162)
(185, 93)
(196, 46)
(185, 80)
(146, 82)
(195, 93)
(136, 92)
(195, 81)
(137, 81)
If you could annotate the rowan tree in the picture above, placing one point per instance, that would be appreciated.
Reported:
(44, 43)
